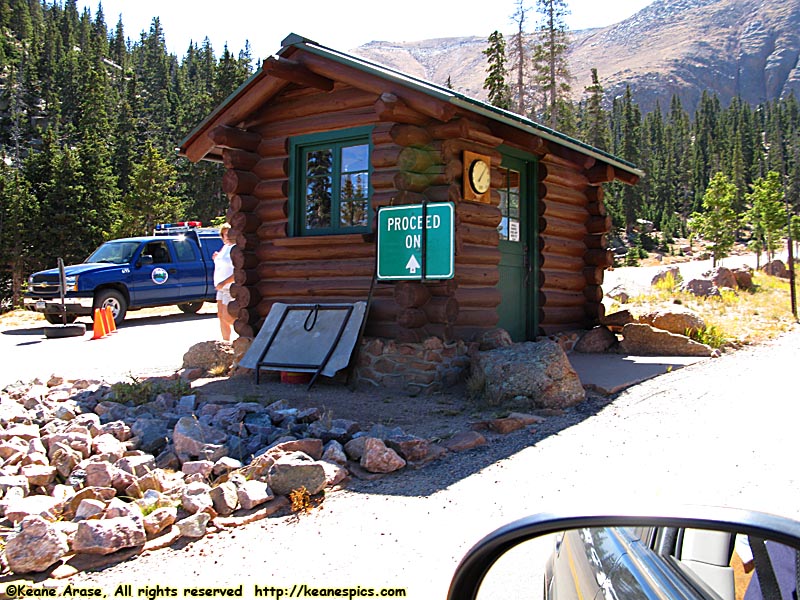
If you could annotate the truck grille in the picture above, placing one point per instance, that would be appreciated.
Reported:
(44, 285)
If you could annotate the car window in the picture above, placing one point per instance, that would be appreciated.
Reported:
(185, 250)
(159, 251)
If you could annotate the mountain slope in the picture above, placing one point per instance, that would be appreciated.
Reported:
(730, 47)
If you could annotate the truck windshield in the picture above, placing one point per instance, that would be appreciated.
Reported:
(119, 253)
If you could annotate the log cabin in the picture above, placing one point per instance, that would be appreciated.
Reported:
(317, 141)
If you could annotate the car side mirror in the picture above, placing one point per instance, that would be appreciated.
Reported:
(145, 260)
(698, 552)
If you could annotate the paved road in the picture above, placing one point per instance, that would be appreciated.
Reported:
(722, 433)
(145, 344)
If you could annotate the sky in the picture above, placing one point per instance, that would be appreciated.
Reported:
(342, 25)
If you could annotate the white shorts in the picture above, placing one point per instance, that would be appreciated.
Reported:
(224, 296)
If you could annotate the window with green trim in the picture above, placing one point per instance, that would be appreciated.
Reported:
(332, 185)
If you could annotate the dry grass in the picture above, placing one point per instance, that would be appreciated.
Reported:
(20, 317)
(741, 318)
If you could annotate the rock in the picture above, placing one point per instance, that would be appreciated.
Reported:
(334, 453)
(209, 355)
(505, 425)
(334, 474)
(152, 434)
(192, 439)
(744, 278)
(493, 339)
(465, 440)
(409, 447)
(722, 277)
(105, 536)
(196, 498)
(310, 446)
(377, 458)
(354, 449)
(597, 340)
(158, 520)
(226, 465)
(664, 274)
(252, 493)
(194, 526)
(107, 447)
(644, 340)
(294, 470)
(620, 294)
(88, 508)
(776, 268)
(538, 371)
(46, 507)
(675, 319)
(224, 498)
(38, 475)
(617, 320)
(704, 288)
(526, 418)
(198, 467)
(35, 547)
(137, 465)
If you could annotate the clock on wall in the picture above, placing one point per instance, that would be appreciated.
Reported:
(477, 177)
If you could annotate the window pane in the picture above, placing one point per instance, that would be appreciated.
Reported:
(185, 250)
(355, 158)
(353, 205)
(319, 184)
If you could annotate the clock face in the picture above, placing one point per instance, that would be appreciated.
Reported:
(480, 177)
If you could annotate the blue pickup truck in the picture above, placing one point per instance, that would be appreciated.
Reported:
(174, 266)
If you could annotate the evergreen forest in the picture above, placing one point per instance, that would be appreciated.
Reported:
(90, 117)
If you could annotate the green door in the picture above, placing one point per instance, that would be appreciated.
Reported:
(517, 283)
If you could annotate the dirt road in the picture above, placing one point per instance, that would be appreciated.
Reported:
(717, 433)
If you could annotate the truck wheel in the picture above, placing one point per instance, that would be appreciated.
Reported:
(115, 301)
(58, 320)
(191, 308)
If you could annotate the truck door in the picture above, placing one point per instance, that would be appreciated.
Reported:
(191, 269)
(157, 283)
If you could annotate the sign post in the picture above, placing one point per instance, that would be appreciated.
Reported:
(416, 242)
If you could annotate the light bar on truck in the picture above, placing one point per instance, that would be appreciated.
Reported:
(179, 227)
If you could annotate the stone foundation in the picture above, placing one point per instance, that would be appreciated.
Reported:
(421, 368)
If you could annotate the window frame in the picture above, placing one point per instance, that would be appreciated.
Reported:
(298, 146)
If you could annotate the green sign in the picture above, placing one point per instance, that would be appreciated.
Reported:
(402, 233)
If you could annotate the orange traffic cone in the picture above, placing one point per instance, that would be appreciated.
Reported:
(111, 326)
(99, 326)
(105, 319)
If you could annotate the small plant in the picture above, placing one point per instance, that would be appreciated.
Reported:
(142, 391)
(709, 335)
(218, 370)
(476, 386)
(300, 499)
(668, 284)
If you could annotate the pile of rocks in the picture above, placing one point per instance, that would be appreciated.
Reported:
(83, 473)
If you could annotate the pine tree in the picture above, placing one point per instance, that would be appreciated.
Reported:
(519, 63)
(495, 82)
(550, 59)
(717, 224)
(595, 120)
(767, 214)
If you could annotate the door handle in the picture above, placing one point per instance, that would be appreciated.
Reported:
(173, 271)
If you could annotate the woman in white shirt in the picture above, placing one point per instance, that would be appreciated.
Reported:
(223, 278)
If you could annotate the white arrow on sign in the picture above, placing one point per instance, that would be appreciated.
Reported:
(412, 264)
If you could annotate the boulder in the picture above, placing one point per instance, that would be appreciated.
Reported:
(494, 338)
(192, 439)
(703, 288)
(225, 498)
(294, 470)
(617, 320)
(158, 520)
(776, 268)
(537, 371)
(744, 278)
(252, 493)
(597, 340)
(378, 458)
(619, 293)
(722, 277)
(644, 340)
(464, 440)
(663, 274)
(105, 536)
(194, 526)
(36, 546)
(209, 355)
(675, 319)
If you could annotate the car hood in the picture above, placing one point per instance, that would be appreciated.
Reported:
(71, 270)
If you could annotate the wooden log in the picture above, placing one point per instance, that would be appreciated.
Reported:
(410, 135)
(454, 169)
(445, 287)
(311, 124)
(595, 193)
(475, 234)
(550, 298)
(246, 241)
(382, 179)
(383, 309)
(454, 149)
(418, 182)
(478, 297)
(272, 210)
(593, 293)
(566, 247)
(316, 247)
(599, 258)
(467, 129)
(238, 182)
(272, 168)
(396, 198)
(564, 314)
(552, 192)
(416, 160)
(393, 331)
(571, 158)
(477, 254)
(561, 210)
(246, 277)
(444, 193)
(626, 177)
(441, 309)
(440, 330)
(558, 175)
(242, 160)
(562, 280)
(597, 209)
(272, 230)
(481, 317)
(386, 156)
(521, 139)
(594, 311)
(411, 294)
(243, 203)
(243, 329)
(233, 137)
(246, 296)
(243, 259)
(273, 189)
(560, 262)
(477, 275)
(598, 224)
(294, 107)
(297, 269)
(381, 134)
(273, 146)
(485, 215)
(600, 173)
(296, 72)
(357, 287)
(562, 228)
(596, 241)
(390, 108)
(411, 317)
(594, 275)
(244, 222)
